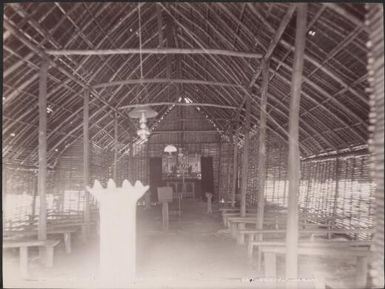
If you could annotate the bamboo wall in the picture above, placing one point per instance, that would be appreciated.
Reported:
(375, 23)
(342, 193)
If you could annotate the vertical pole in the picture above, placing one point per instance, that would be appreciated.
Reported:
(3, 191)
(294, 161)
(115, 167)
(131, 163)
(33, 211)
(220, 188)
(245, 157)
(86, 156)
(235, 166)
(336, 192)
(42, 175)
(262, 147)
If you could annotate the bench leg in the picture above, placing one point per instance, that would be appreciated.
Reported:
(250, 247)
(259, 259)
(362, 271)
(49, 256)
(23, 262)
(67, 242)
(83, 232)
(233, 229)
(270, 265)
(240, 237)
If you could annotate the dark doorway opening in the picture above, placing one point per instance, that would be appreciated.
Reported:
(207, 183)
(155, 177)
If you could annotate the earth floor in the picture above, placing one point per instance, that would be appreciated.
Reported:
(195, 252)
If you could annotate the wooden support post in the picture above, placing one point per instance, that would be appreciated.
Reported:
(115, 166)
(245, 159)
(3, 189)
(336, 192)
(220, 187)
(362, 271)
(131, 163)
(270, 260)
(293, 160)
(23, 265)
(42, 175)
(67, 242)
(235, 167)
(86, 157)
(262, 149)
(33, 211)
(49, 256)
(165, 219)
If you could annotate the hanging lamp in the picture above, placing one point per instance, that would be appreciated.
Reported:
(143, 112)
(170, 149)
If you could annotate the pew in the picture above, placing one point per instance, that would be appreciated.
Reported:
(334, 251)
(303, 233)
(23, 246)
(66, 232)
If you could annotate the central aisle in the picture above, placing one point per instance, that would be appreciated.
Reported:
(193, 250)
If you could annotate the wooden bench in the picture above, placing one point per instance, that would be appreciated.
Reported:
(66, 232)
(23, 249)
(302, 233)
(362, 254)
(235, 221)
(227, 216)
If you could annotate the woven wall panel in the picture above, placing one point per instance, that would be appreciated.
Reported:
(375, 23)
(344, 195)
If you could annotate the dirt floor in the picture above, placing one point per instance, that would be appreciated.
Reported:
(195, 252)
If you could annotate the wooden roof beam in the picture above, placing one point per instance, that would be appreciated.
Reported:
(41, 53)
(178, 104)
(307, 58)
(275, 40)
(165, 80)
(154, 51)
(336, 8)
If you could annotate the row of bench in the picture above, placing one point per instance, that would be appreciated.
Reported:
(274, 227)
(26, 238)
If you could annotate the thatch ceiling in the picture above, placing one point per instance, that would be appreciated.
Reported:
(334, 105)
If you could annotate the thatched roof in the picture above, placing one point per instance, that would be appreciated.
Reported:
(228, 42)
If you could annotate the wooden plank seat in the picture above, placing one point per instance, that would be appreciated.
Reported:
(279, 227)
(305, 233)
(305, 242)
(23, 246)
(66, 232)
(235, 210)
(361, 254)
(267, 221)
(251, 232)
(226, 216)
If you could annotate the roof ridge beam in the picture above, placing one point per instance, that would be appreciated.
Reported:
(165, 80)
(178, 104)
(154, 51)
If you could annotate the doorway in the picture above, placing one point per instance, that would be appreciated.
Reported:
(207, 183)
(155, 177)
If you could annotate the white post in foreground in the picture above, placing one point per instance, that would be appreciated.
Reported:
(117, 208)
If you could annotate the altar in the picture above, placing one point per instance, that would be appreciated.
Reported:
(191, 187)
(182, 172)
